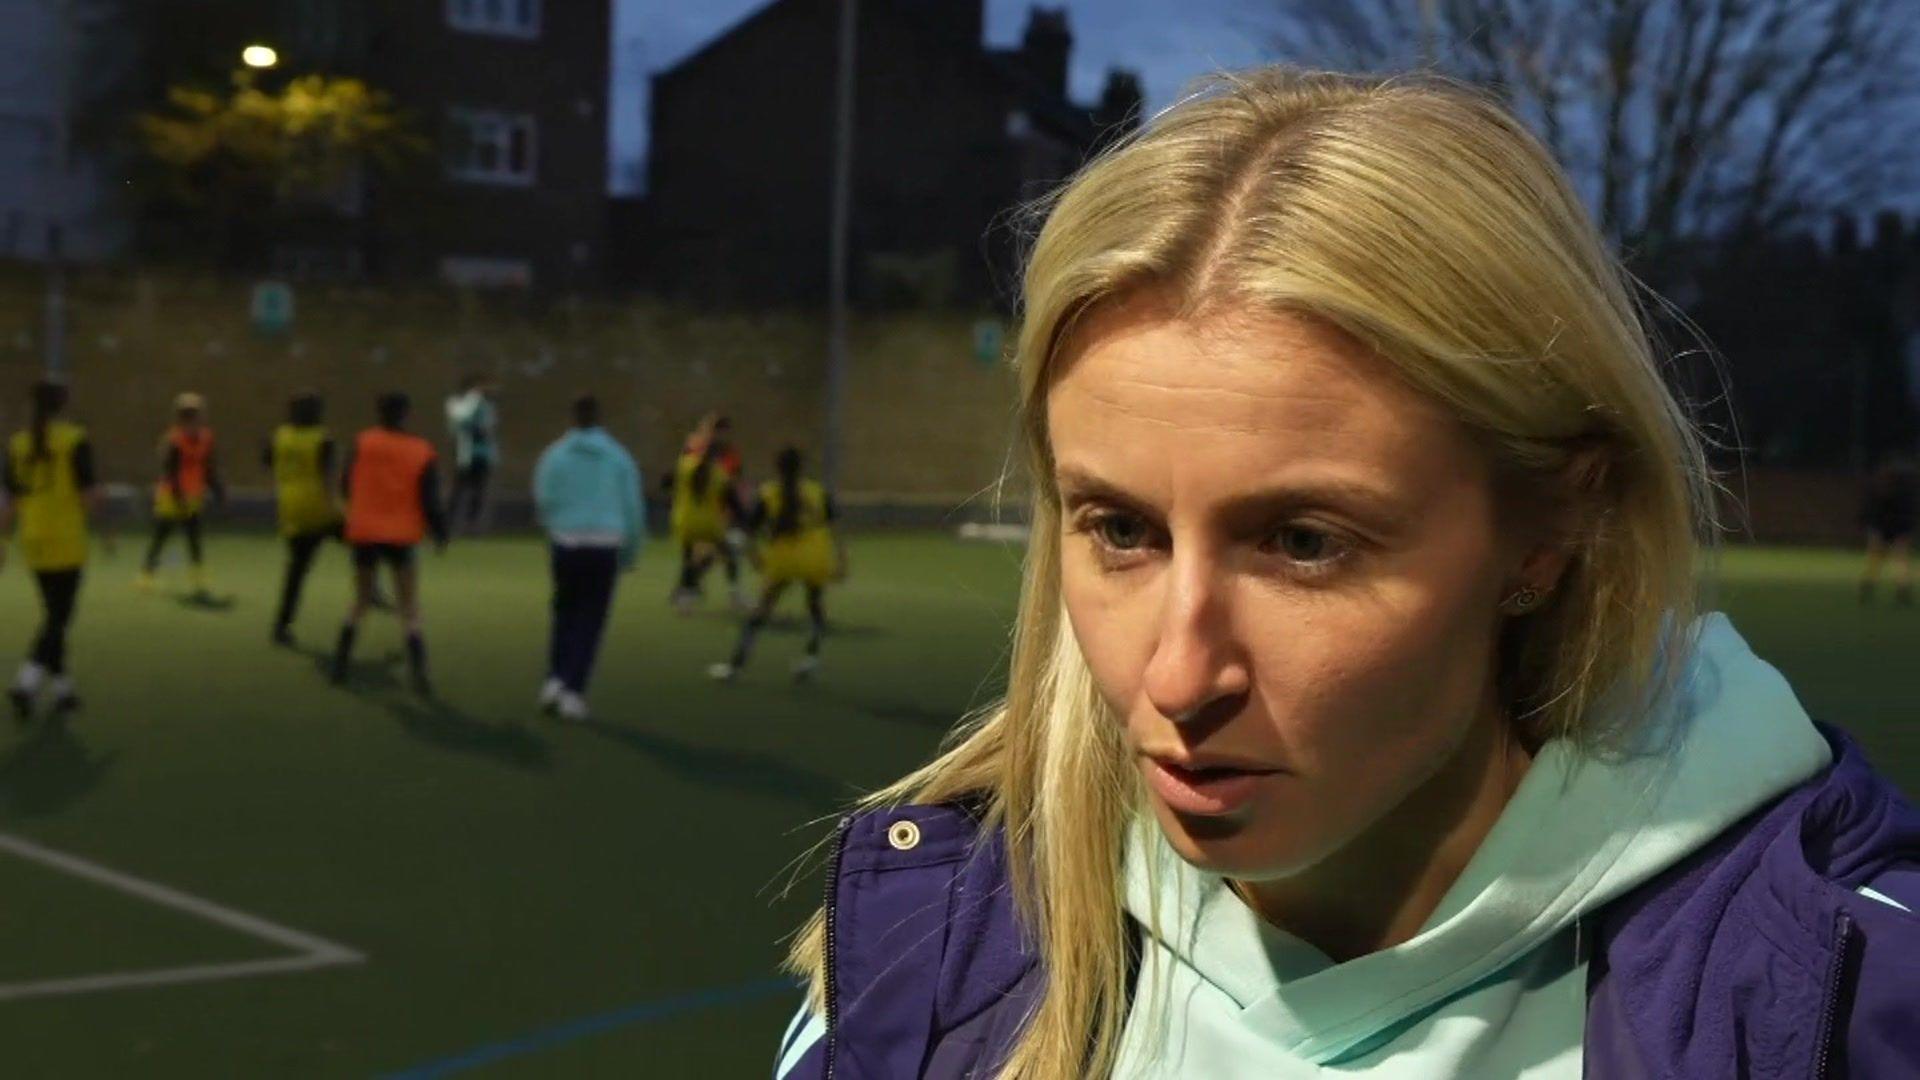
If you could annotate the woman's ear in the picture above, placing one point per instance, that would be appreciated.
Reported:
(1561, 529)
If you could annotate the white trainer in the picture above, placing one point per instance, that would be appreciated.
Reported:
(29, 677)
(550, 693)
(573, 708)
(722, 672)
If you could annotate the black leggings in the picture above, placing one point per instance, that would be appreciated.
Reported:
(693, 568)
(469, 498)
(58, 591)
(816, 618)
(300, 554)
(163, 528)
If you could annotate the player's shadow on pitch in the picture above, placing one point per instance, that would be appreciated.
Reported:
(448, 727)
(50, 769)
(744, 770)
(434, 721)
(365, 678)
(206, 602)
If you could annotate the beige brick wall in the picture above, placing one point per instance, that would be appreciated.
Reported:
(925, 420)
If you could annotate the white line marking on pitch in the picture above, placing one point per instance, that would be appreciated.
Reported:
(314, 952)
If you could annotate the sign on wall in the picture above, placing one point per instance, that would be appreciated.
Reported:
(988, 340)
(272, 307)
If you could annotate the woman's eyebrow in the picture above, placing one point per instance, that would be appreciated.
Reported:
(1079, 486)
(1379, 507)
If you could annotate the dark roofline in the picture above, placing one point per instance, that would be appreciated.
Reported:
(1009, 66)
(718, 38)
(1065, 114)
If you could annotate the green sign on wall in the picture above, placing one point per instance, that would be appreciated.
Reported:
(272, 307)
(989, 338)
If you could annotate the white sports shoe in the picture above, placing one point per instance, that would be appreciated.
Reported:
(550, 694)
(25, 688)
(573, 708)
(65, 698)
(29, 678)
(722, 672)
(805, 668)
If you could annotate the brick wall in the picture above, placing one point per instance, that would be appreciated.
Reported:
(926, 421)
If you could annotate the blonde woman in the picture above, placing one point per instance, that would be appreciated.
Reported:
(1360, 718)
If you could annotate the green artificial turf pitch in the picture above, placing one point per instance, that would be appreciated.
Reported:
(533, 899)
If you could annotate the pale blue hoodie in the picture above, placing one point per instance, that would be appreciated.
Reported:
(1495, 983)
(586, 490)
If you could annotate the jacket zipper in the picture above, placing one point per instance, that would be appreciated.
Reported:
(833, 891)
(1830, 1009)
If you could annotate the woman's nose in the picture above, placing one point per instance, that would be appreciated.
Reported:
(1197, 662)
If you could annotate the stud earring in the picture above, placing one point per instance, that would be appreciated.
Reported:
(1523, 601)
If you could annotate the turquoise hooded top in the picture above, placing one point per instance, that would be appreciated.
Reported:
(586, 491)
(1494, 984)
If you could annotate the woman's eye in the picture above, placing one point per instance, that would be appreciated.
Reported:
(1122, 532)
(1302, 544)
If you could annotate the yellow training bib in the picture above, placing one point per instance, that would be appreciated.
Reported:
(805, 553)
(51, 512)
(300, 482)
(699, 517)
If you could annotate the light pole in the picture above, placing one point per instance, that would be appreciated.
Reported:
(838, 242)
(55, 196)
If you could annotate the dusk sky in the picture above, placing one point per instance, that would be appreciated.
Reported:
(1167, 41)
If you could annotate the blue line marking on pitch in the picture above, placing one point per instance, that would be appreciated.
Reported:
(571, 1030)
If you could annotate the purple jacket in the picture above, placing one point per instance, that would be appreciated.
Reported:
(1753, 957)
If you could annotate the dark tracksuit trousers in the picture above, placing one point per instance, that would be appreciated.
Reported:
(583, 583)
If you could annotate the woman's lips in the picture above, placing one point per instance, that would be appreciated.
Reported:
(1204, 792)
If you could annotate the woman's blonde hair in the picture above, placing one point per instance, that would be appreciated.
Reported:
(1425, 221)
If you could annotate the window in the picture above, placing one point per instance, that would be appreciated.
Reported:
(489, 147)
(507, 18)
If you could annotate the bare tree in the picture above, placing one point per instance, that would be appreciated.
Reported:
(1680, 119)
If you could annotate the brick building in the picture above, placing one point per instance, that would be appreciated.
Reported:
(950, 137)
(515, 93)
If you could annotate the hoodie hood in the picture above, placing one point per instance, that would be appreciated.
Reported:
(1579, 832)
(593, 441)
